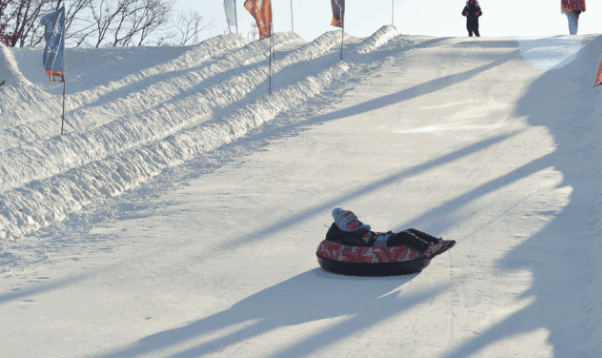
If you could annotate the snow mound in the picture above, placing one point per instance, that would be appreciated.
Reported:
(195, 57)
(20, 100)
(59, 154)
(379, 38)
(9, 71)
(116, 165)
(135, 93)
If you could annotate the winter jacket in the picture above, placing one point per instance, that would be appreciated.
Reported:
(572, 5)
(472, 9)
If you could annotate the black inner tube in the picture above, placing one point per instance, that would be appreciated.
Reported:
(377, 269)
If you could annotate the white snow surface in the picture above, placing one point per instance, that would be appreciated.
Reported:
(179, 214)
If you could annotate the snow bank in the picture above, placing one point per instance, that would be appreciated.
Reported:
(142, 95)
(9, 71)
(20, 100)
(379, 38)
(197, 56)
(61, 153)
(38, 119)
(42, 201)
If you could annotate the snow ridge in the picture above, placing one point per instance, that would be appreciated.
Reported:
(9, 71)
(37, 103)
(39, 203)
(20, 100)
(379, 38)
(195, 57)
(139, 100)
(62, 153)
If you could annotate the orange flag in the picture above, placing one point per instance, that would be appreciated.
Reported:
(599, 76)
(261, 10)
(337, 17)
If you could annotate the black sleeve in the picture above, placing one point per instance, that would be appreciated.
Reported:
(465, 9)
(479, 10)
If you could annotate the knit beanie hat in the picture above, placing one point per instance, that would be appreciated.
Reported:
(347, 221)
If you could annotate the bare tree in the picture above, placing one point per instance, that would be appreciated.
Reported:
(104, 12)
(19, 19)
(5, 17)
(73, 20)
(128, 21)
(189, 24)
(128, 9)
(150, 16)
(165, 39)
(125, 22)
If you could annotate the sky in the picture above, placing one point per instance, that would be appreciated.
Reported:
(439, 18)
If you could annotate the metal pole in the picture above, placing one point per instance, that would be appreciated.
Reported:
(64, 85)
(271, 42)
(292, 25)
(64, 76)
(270, 71)
(392, 12)
(341, 13)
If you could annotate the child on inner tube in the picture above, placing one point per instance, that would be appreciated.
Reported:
(348, 230)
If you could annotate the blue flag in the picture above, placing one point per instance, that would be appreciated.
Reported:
(54, 34)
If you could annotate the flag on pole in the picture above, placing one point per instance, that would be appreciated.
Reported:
(262, 12)
(54, 34)
(599, 76)
(338, 8)
(230, 6)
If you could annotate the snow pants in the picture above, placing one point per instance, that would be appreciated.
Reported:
(472, 25)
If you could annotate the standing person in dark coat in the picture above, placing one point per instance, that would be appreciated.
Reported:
(472, 11)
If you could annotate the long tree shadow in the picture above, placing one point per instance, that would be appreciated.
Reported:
(287, 74)
(308, 297)
(415, 91)
(560, 100)
(207, 86)
(280, 79)
(210, 80)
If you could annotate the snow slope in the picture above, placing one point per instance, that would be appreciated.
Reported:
(179, 214)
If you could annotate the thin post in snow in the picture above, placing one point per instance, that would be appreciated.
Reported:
(64, 86)
(341, 13)
(270, 70)
(64, 77)
(292, 25)
(272, 39)
(392, 12)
